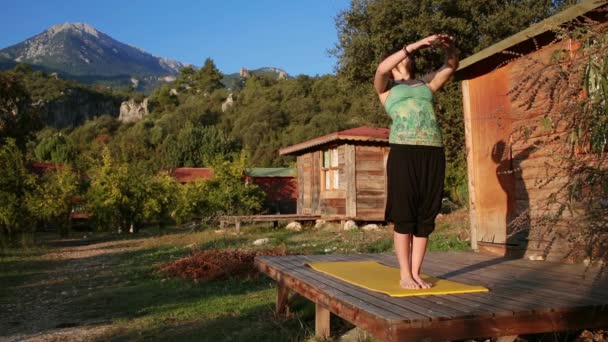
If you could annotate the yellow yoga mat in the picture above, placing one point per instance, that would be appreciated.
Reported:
(385, 279)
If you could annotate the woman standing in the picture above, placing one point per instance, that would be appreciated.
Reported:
(416, 161)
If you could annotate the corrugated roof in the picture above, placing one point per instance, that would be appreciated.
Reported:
(363, 133)
(270, 172)
(191, 174)
(546, 25)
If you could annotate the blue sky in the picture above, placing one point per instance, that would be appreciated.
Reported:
(290, 34)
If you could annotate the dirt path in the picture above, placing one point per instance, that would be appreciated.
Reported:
(39, 313)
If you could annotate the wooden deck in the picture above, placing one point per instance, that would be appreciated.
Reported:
(525, 297)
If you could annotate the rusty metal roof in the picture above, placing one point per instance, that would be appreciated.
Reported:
(363, 133)
(191, 174)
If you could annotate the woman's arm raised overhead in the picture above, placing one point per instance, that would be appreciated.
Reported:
(437, 79)
(383, 72)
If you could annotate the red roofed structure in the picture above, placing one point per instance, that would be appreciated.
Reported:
(341, 175)
(191, 174)
(363, 134)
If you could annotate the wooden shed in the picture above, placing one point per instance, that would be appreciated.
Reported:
(504, 166)
(280, 186)
(342, 175)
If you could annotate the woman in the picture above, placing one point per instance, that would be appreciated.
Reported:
(416, 162)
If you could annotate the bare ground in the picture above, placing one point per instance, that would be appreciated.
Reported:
(39, 314)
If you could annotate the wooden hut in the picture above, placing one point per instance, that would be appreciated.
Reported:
(280, 186)
(342, 175)
(504, 168)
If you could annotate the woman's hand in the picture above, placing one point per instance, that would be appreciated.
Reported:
(442, 40)
(445, 41)
(425, 42)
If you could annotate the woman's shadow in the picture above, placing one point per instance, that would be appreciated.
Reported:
(509, 174)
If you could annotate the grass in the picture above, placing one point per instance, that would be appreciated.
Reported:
(117, 281)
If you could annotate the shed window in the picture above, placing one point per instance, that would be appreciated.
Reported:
(331, 175)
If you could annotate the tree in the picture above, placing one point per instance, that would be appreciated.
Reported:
(161, 198)
(116, 195)
(370, 30)
(224, 194)
(52, 196)
(57, 148)
(17, 117)
(208, 78)
(14, 186)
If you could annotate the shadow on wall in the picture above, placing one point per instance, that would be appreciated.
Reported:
(517, 219)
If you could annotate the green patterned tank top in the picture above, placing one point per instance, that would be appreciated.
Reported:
(414, 121)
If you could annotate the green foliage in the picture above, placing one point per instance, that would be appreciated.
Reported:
(208, 78)
(17, 117)
(456, 181)
(370, 30)
(52, 196)
(163, 100)
(161, 198)
(116, 195)
(14, 186)
(55, 147)
(224, 194)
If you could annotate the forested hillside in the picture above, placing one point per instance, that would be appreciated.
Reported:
(192, 125)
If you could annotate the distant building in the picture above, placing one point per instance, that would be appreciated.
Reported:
(191, 174)
(280, 186)
(342, 175)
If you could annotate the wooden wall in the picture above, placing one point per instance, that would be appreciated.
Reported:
(361, 193)
(370, 182)
(508, 175)
(311, 199)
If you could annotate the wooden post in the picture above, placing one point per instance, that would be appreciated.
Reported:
(282, 299)
(350, 181)
(222, 223)
(322, 315)
(237, 225)
(466, 104)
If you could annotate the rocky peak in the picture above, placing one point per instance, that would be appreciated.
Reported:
(81, 28)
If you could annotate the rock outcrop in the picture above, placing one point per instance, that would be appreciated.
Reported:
(131, 111)
(228, 103)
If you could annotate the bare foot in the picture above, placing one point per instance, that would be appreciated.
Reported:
(409, 283)
(423, 284)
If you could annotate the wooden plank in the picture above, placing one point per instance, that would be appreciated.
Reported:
(372, 299)
(419, 304)
(481, 301)
(507, 301)
(537, 289)
(369, 165)
(370, 173)
(570, 275)
(574, 274)
(501, 326)
(432, 303)
(470, 150)
(316, 186)
(282, 299)
(335, 301)
(322, 316)
(303, 280)
(370, 202)
(350, 180)
(375, 155)
(370, 193)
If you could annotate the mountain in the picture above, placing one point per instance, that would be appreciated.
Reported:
(79, 51)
